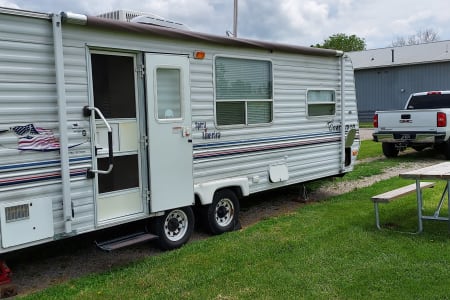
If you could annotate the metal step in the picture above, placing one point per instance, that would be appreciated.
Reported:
(125, 241)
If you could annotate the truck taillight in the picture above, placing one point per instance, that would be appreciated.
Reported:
(441, 119)
(375, 121)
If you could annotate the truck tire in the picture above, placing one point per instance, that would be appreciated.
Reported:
(446, 149)
(222, 215)
(389, 150)
(174, 228)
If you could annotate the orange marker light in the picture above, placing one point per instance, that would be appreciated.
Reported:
(199, 54)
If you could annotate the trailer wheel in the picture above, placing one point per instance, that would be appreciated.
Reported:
(389, 150)
(222, 215)
(175, 228)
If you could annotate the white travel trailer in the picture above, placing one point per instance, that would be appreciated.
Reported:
(106, 122)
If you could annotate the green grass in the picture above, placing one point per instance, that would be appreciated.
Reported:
(369, 149)
(325, 250)
(365, 125)
(322, 251)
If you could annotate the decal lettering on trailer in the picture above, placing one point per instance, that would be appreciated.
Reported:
(201, 127)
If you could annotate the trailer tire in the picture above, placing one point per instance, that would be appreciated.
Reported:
(222, 215)
(389, 150)
(174, 228)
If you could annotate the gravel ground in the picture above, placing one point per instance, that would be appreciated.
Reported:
(43, 266)
(365, 133)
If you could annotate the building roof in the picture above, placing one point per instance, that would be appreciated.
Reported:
(396, 56)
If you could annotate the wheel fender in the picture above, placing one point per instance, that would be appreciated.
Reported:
(205, 191)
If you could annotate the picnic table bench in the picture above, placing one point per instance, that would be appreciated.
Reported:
(395, 194)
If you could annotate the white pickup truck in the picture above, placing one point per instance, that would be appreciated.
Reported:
(423, 123)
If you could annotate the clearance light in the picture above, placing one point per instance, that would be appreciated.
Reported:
(355, 152)
(199, 54)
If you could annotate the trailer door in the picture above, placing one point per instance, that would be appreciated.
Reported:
(169, 123)
(120, 193)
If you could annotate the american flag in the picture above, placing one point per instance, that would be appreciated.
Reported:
(25, 130)
(36, 138)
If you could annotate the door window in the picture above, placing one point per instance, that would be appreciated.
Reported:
(168, 93)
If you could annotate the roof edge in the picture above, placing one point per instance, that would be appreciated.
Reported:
(197, 36)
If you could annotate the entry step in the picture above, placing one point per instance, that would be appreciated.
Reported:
(125, 241)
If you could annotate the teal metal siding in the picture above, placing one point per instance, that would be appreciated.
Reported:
(388, 88)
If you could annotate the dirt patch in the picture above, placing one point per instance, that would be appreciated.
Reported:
(43, 266)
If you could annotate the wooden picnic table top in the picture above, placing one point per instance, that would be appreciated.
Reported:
(438, 171)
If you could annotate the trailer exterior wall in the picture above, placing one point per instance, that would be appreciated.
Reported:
(28, 102)
(294, 74)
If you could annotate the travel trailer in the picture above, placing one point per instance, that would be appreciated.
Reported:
(106, 122)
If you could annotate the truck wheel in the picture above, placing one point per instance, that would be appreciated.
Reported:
(222, 214)
(389, 150)
(174, 228)
(446, 149)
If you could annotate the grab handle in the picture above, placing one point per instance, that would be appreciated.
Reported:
(87, 111)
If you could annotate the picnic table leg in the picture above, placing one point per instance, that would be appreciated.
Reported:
(438, 208)
(448, 199)
(419, 206)
(377, 215)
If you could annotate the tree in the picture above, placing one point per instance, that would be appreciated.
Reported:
(341, 41)
(420, 37)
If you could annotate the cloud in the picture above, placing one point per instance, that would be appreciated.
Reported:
(303, 22)
(9, 4)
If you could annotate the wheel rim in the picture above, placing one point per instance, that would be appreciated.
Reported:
(176, 225)
(224, 212)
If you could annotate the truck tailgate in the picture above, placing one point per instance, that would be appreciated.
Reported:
(408, 120)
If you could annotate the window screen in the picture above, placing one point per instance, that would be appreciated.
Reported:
(114, 88)
(243, 91)
(321, 102)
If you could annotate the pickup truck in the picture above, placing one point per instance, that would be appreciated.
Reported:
(422, 123)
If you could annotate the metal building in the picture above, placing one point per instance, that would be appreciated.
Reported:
(386, 77)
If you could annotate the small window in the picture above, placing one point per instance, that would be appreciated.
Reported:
(321, 103)
(168, 93)
(243, 91)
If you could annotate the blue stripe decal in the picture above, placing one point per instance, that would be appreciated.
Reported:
(259, 145)
(264, 140)
(43, 163)
(39, 177)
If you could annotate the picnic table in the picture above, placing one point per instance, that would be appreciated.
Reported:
(439, 171)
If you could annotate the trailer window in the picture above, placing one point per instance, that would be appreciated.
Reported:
(321, 103)
(243, 91)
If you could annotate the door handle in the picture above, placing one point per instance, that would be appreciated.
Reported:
(87, 111)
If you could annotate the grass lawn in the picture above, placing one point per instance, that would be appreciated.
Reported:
(325, 250)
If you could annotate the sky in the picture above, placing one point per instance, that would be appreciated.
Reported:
(299, 22)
